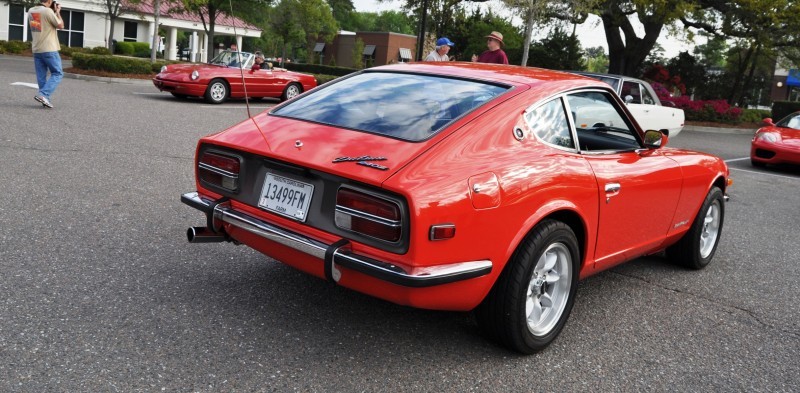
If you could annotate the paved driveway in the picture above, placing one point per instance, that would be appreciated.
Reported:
(99, 290)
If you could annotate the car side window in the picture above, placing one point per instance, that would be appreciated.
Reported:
(549, 123)
(631, 89)
(647, 98)
(600, 123)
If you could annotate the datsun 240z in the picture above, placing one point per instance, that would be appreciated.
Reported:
(459, 186)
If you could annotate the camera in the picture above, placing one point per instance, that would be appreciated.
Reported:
(53, 5)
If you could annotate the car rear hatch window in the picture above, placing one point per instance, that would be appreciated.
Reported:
(411, 107)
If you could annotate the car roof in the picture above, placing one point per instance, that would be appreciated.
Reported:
(497, 73)
(607, 75)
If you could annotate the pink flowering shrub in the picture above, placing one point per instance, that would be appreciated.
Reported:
(700, 110)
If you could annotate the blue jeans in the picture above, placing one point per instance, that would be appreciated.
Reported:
(47, 61)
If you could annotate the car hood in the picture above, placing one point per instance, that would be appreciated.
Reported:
(325, 148)
(789, 136)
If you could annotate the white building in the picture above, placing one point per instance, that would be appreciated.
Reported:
(87, 25)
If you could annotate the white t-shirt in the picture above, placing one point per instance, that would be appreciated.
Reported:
(434, 56)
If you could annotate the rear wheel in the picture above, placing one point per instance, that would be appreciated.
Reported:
(697, 247)
(529, 304)
(291, 91)
(217, 92)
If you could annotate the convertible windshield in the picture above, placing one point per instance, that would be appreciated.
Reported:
(406, 106)
(232, 59)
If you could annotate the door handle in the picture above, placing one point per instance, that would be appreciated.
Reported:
(612, 188)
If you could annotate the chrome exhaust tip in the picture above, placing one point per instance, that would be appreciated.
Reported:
(203, 235)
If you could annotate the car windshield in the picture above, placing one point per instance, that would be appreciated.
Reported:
(792, 121)
(614, 82)
(232, 59)
(406, 106)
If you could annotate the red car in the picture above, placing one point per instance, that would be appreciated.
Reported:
(222, 79)
(777, 143)
(459, 186)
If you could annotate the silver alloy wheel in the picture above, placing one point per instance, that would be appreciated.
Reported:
(549, 289)
(218, 91)
(710, 231)
(292, 91)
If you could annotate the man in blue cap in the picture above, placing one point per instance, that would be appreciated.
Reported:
(440, 53)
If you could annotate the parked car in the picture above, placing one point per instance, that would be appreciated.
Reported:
(459, 186)
(644, 104)
(221, 79)
(777, 143)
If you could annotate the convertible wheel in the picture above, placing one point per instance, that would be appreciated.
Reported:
(530, 302)
(291, 91)
(697, 247)
(217, 92)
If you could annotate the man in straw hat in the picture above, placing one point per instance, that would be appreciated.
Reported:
(495, 53)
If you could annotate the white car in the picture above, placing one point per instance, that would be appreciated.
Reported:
(643, 103)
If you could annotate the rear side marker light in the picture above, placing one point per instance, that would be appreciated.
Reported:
(368, 215)
(442, 232)
(220, 170)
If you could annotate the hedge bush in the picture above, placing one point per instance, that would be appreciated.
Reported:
(781, 109)
(318, 69)
(15, 47)
(753, 115)
(117, 64)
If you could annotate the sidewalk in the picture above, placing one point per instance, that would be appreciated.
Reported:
(720, 130)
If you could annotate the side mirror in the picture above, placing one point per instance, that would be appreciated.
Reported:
(628, 99)
(668, 103)
(655, 139)
(768, 121)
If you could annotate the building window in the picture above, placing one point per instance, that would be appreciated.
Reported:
(16, 23)
(131, 31)
(405, 55)
(369, 55)
(72, 33)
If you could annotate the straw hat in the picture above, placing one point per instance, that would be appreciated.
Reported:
(496, 36)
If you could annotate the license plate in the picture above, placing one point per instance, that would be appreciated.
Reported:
(287, 197)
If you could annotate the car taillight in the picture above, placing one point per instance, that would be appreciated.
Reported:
(368, 215)
(219, 170)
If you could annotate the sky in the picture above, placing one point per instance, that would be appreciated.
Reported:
(590, 33)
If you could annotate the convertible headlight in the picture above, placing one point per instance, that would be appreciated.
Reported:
(163, 69)
(195, 75)
(770, 137)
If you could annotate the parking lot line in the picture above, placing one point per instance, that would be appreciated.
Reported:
(765, 173)
(737, 159)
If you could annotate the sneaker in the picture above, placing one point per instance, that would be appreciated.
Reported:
(45, 102)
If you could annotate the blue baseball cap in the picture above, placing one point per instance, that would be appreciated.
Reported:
(444, 41)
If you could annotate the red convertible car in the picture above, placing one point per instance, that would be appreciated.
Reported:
(222, 79)
(777, 143)
(459, 186)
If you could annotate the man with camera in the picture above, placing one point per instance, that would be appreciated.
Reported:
(44, 21)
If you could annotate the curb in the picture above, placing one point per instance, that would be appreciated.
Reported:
(92, 78)
(720, 130)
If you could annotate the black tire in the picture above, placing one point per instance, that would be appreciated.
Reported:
(291, 91)
(217, 92)
(503, 315)
(698, 246)
(757, 164)
(179, 96)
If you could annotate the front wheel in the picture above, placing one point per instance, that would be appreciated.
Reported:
(217, 92)
(529, 304)
(291, 91)
(697, 247)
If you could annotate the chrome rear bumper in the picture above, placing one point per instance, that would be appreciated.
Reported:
(338, 253)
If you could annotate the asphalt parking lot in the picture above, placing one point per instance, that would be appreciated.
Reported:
(99, 290)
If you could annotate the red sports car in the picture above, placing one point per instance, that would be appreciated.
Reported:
(222, 79)
(459, 186)
(777, 143)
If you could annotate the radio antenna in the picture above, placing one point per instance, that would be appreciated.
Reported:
(239, 61)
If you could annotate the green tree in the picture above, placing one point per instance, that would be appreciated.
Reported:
(317, 22)
(358, 54)
(469, 32)
(596, 59)
(558, 51)
(359, 21)
(284, 23)
(394, 21)
(208, 10)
